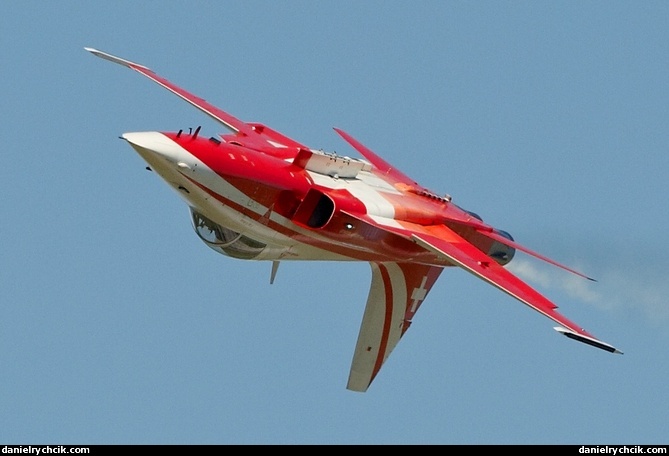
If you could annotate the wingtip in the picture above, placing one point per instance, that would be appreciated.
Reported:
(587, 340)
(113, 58)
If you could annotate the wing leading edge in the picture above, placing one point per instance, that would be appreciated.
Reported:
(257, 136)
(217, 114)
(473, 260)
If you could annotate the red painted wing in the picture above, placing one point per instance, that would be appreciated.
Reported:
(447, 244)
(255, 135)
(221, 116)
(462, 253)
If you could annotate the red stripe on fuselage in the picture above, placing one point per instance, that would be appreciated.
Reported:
(314, 241)
(267, 180)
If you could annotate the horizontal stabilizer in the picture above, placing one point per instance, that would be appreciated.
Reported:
(587, 340)
(490, 232)
(506, 241)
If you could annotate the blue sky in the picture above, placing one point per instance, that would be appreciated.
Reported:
(549, 119)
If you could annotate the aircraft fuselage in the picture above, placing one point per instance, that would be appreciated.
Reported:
(295, 213)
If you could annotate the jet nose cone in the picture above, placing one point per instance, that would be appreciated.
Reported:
(153, 145)
(150, 142)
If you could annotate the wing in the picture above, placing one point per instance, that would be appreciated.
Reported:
(462, 253)
(252, 135)
(397, 291)
(448, 245)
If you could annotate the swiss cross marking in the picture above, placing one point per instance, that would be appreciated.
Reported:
(418, 294)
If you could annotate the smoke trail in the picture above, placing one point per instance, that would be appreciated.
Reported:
(635, 290)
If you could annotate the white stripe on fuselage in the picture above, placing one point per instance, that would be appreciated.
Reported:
(368, 189)
(177, 166)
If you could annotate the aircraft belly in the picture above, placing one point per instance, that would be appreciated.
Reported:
(253, 222)
(279, 246)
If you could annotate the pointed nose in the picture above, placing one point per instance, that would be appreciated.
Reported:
(153, 145)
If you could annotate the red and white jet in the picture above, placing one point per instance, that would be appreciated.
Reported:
(255, 194)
